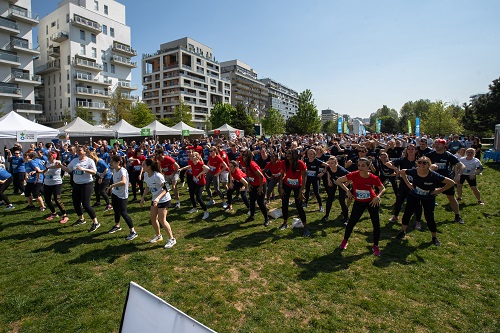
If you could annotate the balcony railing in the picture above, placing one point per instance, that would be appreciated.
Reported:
(87, 63)
(8, 24)
(125, 61)
(118, 47)
(27, 106)
(11, 90)
(23, 14)
(24, 45)
(86, 23)
(126, 85)
(50, 66)
(90, 91)
(25, 76)
(131, 97)
(59, 36)
(92, 105)
(8, 57)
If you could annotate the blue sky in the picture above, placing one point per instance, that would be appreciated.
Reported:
(355, 56)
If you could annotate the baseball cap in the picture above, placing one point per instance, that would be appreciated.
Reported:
(441, 141)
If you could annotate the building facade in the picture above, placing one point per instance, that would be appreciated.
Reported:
(17, 78)
(85, 59)
(246, 88)
(327, 115)
(281, 98)
(183, 70)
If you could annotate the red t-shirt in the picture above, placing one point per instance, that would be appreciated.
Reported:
(137, 163)
(215, 164)
(198, 149)
(167, 165)
(294, 179)
(363, 187)
(197, 169)
(237, 175)
(275, 169)
(252, 170)
(243, 165)
(224, 156)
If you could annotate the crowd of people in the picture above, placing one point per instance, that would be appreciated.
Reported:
(259, 170)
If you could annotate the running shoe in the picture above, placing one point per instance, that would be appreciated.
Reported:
(224, 205)
(192, 210)
(94, 227)
(459, 220)
(64, 219)
(250, 219)
(205, 215)
(178, 204)
(9, 207)
(131, 236)
(108, 208)
(283, 226)
(211, 202)
(479, 202)
(267, 223)
(156, 238)
(343, 245)
(171, 242)
(376, 251)
(52, 216)
(42, 209)
(394, 219)
(114, 229)
(459, 199)
(435, 241)
(401, 234)
(306, 233)
(418, 225)
(321, 209)
(80, 222)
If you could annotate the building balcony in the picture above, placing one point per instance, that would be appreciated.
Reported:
(22, 45)
(22, 14)
(24, 77)
(92, 65)
(83, 77)
(10, 91)
(27, 108)
(59, 36)
(9, 58)
(90, 91)
(82, 22)
(123, 49)
(9, 26)
(54, 51)
(123, 61)
(92, 105)
(49, 67)
(125, 85)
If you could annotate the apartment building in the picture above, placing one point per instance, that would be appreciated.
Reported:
(85, 58)
(17, 79)
(329, 114)
(183, 70)
(246, 88)
(281, 98)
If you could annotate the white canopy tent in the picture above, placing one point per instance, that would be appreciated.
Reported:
(124, 129)
(228, 130)
(158, 128)
(80, 128)
(12, 123)
(183, 127)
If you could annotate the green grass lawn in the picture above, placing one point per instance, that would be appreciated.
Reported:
(243, 277)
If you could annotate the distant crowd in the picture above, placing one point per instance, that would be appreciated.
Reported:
(352, 170)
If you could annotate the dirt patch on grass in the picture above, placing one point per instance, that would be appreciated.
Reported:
(234, 274)
(211, 259)
(16, 326)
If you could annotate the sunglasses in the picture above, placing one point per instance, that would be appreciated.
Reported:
(422, 162)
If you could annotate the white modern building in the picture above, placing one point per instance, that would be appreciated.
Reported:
(85, 58)
(246, 88)
(281, 98)
(183, 70)
(17, 79)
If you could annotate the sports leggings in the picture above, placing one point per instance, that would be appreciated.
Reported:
(237, 187)
(413, 204)
(120, 209)
(287, 190)
(330, 190)
(254, 195)
(315, 184)
(358, 209)
(54, 192)
(81, 197)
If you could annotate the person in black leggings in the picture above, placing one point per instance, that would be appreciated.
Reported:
(199, 171)
(334, 172)
(238, 184)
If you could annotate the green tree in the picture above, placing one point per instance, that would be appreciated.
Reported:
(292, 125)
(141, 115)
(440, 120)
(85, 115)
(384, 113)
(307, 119)
(329, 127)
(119, 108)
(389, 125)
(273, 122)
(66, 117)
(182, 112)
(481, 115)
(241, 120)
(221, 114)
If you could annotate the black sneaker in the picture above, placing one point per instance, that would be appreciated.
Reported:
(306, 233)
(94, 227)
(131, 236)
(324, 218)
(30, 207)
(435, 241)
(346, 222)
(267, 223)
(249, 219)
(97, 204)
(401, 234)
(284, 226)
(459, 220)
(79, 222)
(114, 229)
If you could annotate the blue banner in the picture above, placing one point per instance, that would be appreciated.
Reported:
(339, 126)
(378, 125)
(364, 130)
(417, 126)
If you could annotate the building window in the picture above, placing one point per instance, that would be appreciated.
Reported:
(105, 10)
(69, 102)
(82, 49)
(67, 74)
(60, 103)
(112, 68)
(96, 5)
(82, 35)
(112, 32)
(105, 29)
(57, 23)
(103, 54)
(94, 52)
(59, 77)
(105, 66)
(48, 82)
(69, 60)
(50, 106)
(46, 29)
(60, 91)
(67, 18)
(69, 88)
(93, 38)
(53, 24)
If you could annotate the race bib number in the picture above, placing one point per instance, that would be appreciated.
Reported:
(311, 173)
(276, 175)
(137, 167)
(154, 190)
(292, 182)
(251, 179)
(165, 170)
(320, 170)
(421, 192)
(196, 180)
(212, 168)
(410, 178)
(78, 172)
(441, 166)
(362, 194)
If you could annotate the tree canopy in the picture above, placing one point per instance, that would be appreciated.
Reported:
(141, 115)
(389, 119)
(482, 114)
(307, 119)
(241, 120)
(273, 122)
(221, 114)
(182, 112)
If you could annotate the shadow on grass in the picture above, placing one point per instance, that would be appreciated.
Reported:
(398, 251)
(331, 262)
(64, 246)
(110, 253)
(55, 231)
(255, 239)
(215, 229)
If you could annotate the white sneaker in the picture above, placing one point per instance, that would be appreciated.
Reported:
(178, 204)
(211, 202)
(192, 210)
(321, 209)
(224, 205)
(205, 215)
(171, 242)
(156, 239)
(183, 183)
(249, 212)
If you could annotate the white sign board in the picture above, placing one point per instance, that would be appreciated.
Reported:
(26, 136)
(145, 312)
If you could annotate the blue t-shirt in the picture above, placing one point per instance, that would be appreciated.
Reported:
(17, 164)
(101, 166)
(423, 186)
(4, 174)
(31, 166)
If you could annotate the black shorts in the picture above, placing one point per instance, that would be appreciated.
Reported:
(450, 191)
(472, 182)
(32, 189)
(163, 204)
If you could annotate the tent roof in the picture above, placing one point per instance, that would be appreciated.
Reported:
(79, 127)
(183, 126)
(125, 129)
(158, 128)
(225, 129)
(12, 122)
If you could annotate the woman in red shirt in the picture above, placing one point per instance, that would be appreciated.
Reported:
(364, 196)
(199, 170)
(275, 169)
(237, 182)
(257, 183)
(294, 173)
(135, 166)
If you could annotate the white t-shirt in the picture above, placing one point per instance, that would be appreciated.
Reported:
(470, 165)
(79, 176)
(52, 176)
(155, 185)
(120, 191)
